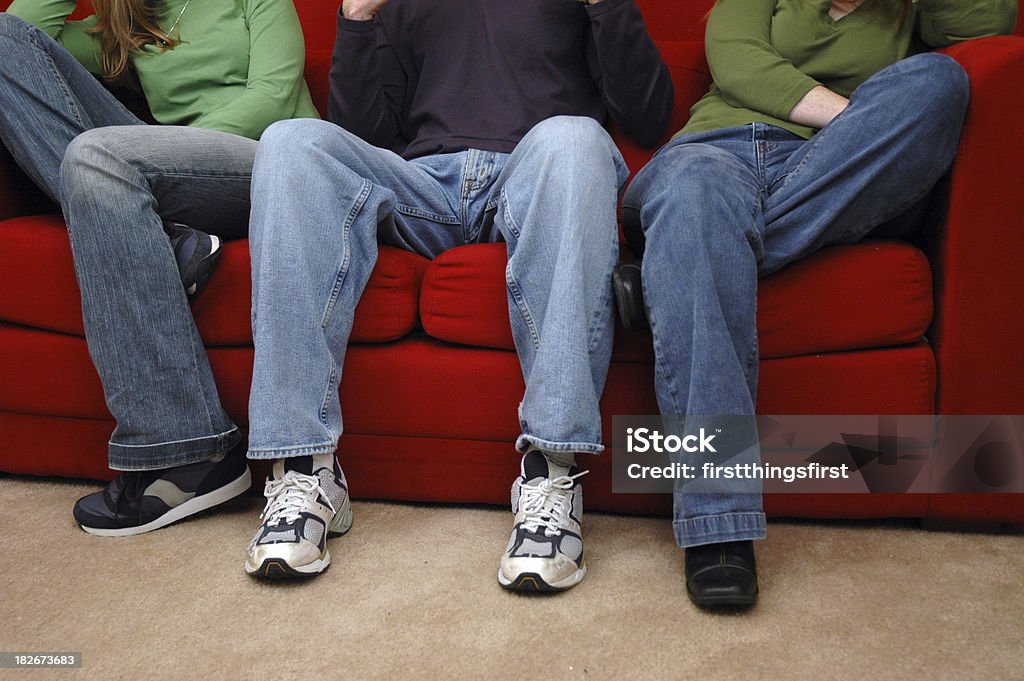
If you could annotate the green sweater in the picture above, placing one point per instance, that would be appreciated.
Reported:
(765, 55)
(238, 67)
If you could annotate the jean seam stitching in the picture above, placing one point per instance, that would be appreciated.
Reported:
(512, 284)
(339, 279)
(603, 310)
(245, 177)
(58, 78)
(426, 215)
(327, 395)
(173, 442)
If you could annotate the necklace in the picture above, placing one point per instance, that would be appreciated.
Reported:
(175, 24)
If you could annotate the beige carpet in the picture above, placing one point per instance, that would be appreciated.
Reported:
(412, 594)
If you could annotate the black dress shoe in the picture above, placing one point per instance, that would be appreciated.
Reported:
(721, 574)
(629, 295)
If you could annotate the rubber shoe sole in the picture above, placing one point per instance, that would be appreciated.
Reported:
(532, 582)
(722, 601)
(279, 569)
(189, 508)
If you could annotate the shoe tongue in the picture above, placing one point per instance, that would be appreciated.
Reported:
(299, 464)
(536, 465)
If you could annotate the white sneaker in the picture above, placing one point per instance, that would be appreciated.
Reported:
(545, 551)
(304, 507)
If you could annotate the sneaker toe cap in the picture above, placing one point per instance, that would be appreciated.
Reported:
(553, 571)
(295, 554)
(92, 509)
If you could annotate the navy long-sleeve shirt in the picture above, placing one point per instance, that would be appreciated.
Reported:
(439, 76)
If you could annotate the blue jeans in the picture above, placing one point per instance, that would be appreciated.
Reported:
(117, 180)
(322, 198)
(719, 209)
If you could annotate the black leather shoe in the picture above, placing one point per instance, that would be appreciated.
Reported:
(722, 574)
(629, 295)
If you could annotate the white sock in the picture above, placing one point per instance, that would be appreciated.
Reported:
(563, 459)
(324, 461)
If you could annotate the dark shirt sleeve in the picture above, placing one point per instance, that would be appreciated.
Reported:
(629, 71)
(367, 83)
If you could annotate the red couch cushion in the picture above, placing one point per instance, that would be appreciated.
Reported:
(871, 294)
(424, 388)
(38, 288)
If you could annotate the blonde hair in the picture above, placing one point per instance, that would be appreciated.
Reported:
(124, 27)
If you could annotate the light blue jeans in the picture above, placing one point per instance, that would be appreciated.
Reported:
(117, 179)
(720, 209)
(322, 198)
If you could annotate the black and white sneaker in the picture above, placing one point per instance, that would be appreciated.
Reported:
(197, 254)
(545, 551)
(307, 501)
(140, 501)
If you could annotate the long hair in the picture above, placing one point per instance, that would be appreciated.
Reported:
(124, 27)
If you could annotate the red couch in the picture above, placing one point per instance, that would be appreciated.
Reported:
(431, 382)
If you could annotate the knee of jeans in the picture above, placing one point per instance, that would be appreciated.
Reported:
(83, 158)
(681, 186)
(938, 81)
(296, 135)
(560, 128)
(574, 140)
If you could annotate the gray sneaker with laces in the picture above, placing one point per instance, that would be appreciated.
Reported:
(545, 551)
(305, 505)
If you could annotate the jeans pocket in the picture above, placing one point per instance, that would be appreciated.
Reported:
(413, 212)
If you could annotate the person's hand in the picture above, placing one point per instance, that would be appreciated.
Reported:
(361, 10)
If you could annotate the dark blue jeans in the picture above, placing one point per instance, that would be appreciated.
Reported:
(719, 209)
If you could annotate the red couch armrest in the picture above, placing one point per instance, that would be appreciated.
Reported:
(978, 258)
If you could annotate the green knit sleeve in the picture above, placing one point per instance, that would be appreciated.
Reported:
(745, 66)
(275, 88)
(944, 22)
(50, 16)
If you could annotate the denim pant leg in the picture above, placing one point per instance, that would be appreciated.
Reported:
(556, 211)
(700, 208)
(878, 158)
(118, 184)
(881, 156)
(47, 99)
(320, 194)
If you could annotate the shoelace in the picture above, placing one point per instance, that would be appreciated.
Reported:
(546, 504)
(286, 497)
